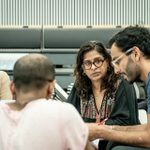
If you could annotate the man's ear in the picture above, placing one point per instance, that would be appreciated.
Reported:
(52, 85)
(51, 88)
(137, 53)
(13, 89)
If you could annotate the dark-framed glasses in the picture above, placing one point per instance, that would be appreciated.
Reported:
(117, 60)
(97, 62)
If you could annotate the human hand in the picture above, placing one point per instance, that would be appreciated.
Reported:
(96, 130)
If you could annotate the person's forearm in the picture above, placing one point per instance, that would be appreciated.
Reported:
(129, 128)
(137, 135)
(94, 129)
(133, 137)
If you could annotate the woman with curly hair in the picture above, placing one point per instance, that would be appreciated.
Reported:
(99, 94)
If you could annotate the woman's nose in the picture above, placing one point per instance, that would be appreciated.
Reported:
(93, 67)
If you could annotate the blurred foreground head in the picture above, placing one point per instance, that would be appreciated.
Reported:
(32, 72)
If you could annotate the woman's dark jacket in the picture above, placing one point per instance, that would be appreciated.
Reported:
(125, 110)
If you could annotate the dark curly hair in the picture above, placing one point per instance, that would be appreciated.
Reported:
(83, 83)
(132, 36)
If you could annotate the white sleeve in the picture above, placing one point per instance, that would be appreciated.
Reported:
(75, 130)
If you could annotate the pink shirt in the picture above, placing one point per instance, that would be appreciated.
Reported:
(42, 125)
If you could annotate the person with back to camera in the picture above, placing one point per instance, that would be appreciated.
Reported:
(99, 94)
(5, 92)
(130, 50)
(33, 121)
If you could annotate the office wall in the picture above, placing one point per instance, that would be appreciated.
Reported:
(74, 12)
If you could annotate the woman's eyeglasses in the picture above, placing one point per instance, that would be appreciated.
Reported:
(97, 62)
